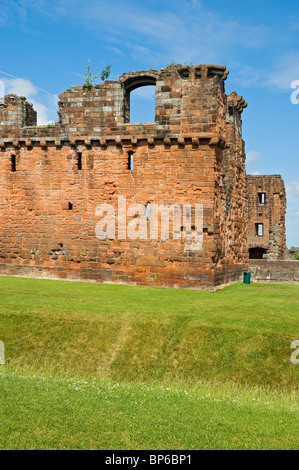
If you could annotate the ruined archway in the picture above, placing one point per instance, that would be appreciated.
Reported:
(132, 83)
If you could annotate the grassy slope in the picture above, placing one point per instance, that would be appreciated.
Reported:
(57, 413)
(190, 348)
(241, 334)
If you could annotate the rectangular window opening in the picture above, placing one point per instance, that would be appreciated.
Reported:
(262, 198)
(130, 161)
(259, 229)
(79, 161)
(13, 163)
(70, 206)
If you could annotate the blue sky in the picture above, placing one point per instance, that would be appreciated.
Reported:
(45, 46)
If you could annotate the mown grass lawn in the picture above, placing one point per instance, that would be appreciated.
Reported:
(57, 413)
(118, 367)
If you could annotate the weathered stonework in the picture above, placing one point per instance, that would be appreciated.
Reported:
(15, 113)
(274, 271)
(193, 153)
(267, 207)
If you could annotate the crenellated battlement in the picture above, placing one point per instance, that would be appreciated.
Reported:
(236, 102)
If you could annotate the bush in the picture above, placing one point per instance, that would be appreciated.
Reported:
(296, 255)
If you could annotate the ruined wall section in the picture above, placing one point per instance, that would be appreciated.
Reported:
(270, 213)
(189, 101)
(15, 113)
(232, 213)
(280, 271)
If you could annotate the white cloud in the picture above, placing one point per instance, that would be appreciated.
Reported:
(42, 113)
(146, 92)
(24, 87)
(252, 156)
(292, 188)
(20, 87)
(277, 76)
(285, 71)
(255, 173)
(180, 31)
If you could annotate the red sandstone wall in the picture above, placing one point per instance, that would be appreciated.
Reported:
(193, 153)
(271, 214)
(39, 230)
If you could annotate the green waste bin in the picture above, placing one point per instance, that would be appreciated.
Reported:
(246, 279)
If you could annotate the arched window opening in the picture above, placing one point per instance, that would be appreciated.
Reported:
(139, 104)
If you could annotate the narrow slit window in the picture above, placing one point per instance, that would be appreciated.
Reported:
(148, 210)
(13, 163)
(130, 161)
(259, 229)
(70, 206)
(79, 161)
(262, 198)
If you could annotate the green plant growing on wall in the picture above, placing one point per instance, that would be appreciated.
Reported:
(51, 124)
(296, 255)
(172, 63)
(89, 79)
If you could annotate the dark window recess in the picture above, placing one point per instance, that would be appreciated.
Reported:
(259, 229)
(70, 206)
(79, 161)
(13, 163)
(257, 253)
(131, 161)
(262, 198)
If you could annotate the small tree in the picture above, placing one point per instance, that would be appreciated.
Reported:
(296, 255)
(104, 74)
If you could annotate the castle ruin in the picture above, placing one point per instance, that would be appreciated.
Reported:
(53, 179)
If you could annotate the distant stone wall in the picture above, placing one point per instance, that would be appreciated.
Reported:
(266, 211)
(264, 270)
